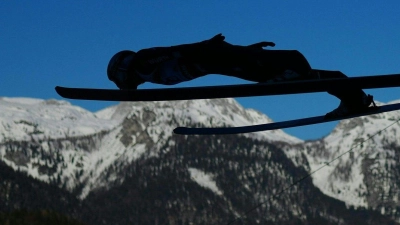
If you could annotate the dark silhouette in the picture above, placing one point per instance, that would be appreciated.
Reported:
(176, 64)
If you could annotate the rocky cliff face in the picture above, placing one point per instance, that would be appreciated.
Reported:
(124, 165)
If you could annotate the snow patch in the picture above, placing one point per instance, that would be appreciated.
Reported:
(348, 145)
(204, 180)
(20, 100)
(27, 118)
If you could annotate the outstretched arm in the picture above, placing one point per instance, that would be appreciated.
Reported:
(262, 44)
(220, 38)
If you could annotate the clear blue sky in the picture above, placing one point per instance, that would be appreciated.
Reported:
(69, 43)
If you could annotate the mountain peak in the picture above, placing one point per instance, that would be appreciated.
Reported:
(205, 112)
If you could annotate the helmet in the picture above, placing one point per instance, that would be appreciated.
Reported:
(117, 70)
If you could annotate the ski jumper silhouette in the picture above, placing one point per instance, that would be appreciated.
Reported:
(180, 63)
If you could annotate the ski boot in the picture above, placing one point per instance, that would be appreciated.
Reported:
(351, 105)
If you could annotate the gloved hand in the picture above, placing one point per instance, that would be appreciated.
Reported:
(217, 39)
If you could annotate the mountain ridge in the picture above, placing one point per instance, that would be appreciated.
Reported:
(91, 162)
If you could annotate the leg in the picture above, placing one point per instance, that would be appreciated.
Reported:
(273, 64)
(342, 95)
(351, 100)
(248, 63)
(260, 65)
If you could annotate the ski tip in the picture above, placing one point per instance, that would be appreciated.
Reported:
(202, 131)
(191, 131)
(59, 90)
(63, 92)
(180, 130)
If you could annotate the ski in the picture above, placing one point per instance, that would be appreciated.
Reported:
(281, 125)
(231, 91)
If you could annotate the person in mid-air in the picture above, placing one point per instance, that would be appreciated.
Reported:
(175, 64)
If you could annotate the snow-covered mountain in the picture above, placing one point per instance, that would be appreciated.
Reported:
(216, 112)
(25, 118)
(360, 160)
(94, 155)
(121, 133)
